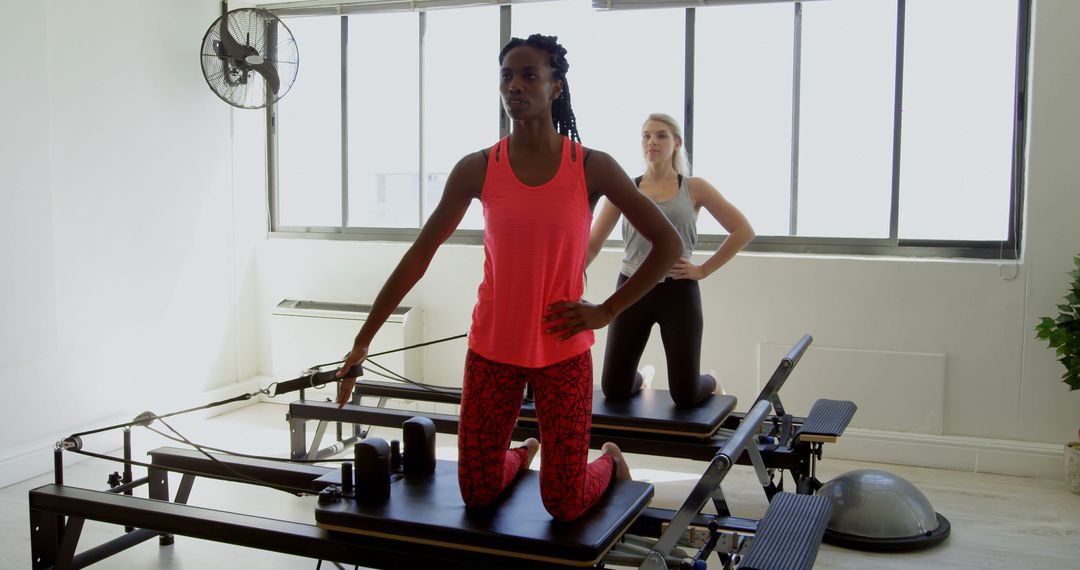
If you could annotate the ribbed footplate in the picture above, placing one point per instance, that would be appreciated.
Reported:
(789, 536)
(828, 417)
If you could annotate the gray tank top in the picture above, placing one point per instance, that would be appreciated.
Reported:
(679, 211)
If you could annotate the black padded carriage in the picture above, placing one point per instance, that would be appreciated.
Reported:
(429, 510)
(652, 411)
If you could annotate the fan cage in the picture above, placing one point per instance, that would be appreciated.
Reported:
(237, 81)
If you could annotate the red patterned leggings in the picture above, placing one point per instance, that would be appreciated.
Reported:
(490, 405)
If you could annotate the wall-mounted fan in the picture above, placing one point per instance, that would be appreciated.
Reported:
(249, 57)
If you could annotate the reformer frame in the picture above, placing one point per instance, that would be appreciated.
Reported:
(787, 537)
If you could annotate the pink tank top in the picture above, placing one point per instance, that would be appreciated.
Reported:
(535, 242)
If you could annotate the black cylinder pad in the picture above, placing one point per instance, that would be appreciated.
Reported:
(419, 436)
(371, 470)
(346, 479)
(395, 455)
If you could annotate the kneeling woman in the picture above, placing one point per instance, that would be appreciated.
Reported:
(537, 187)
(674, 302)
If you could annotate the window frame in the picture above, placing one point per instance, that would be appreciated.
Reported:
(894, 246)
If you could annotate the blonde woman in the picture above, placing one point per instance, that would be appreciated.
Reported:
(675, 302)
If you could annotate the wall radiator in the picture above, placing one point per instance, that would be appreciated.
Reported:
(306, 333)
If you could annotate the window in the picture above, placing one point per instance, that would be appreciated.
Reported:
(846, 102)
(959, 101)
(384, 120)
(742, 111)
(309, 129)
(461, 97)
(847, 126)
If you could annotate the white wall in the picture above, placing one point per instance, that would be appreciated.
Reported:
(127, 267)
(947, 342)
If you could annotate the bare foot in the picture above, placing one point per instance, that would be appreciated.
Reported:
(531, 446)
(719, 390)
(622, 470)
(647, 372)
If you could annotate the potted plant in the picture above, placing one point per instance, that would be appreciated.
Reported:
(1063, 335)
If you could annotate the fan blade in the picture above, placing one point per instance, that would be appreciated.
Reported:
(233, 49)
(270, 75)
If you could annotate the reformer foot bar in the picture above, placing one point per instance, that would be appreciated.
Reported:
(648, 423)
(787, 537)
(424, 524)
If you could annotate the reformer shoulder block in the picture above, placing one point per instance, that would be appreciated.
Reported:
(827, 420)
(653, 411)
(789, 536)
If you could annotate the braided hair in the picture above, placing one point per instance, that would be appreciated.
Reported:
(562, 116)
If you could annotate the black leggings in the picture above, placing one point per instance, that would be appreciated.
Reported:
(674, 304)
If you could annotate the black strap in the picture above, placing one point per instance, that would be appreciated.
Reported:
(637, 181)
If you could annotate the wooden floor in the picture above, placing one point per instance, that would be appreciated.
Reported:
(997, 521)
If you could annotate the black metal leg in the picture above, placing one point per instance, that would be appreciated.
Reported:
(159, 489)
(66, 553)
(720, 503)
(297, 438)
(184, 492)
(182, 495)
(158, 484)
(360, 431)
(45, 535)
(128, 476)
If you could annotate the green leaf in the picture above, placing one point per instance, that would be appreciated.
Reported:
(1073, 382)
(1062, 333)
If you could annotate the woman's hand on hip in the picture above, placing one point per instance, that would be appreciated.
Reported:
(568, 318)
(683, 269)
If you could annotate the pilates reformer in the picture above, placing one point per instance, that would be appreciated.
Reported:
(648, 423)
(420, 522)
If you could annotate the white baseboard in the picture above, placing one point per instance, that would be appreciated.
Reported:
(979, 455)
(22, 462)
